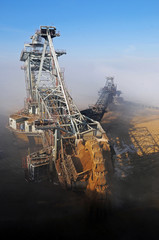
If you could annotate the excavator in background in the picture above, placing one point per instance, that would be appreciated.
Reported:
(106, 97)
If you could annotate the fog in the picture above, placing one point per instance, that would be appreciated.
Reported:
(12, 85)
(136, 77)
(45, 208)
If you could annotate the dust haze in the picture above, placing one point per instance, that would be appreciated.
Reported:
(12, 85)
(137, 78)
(45, 208)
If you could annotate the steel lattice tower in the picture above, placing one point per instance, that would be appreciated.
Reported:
(45, 84)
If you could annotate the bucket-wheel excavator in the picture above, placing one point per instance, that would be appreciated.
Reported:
(73, 144)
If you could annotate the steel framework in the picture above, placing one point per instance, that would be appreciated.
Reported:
(62, 124)
(46, 91)
(106, 95)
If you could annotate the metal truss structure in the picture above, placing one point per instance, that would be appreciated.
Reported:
(106, 95)
(63, 126)
(46, 91)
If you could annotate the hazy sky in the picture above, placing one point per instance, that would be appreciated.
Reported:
(102, 38)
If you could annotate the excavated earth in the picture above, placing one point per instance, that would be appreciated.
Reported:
(134, 134)
(36, 210)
